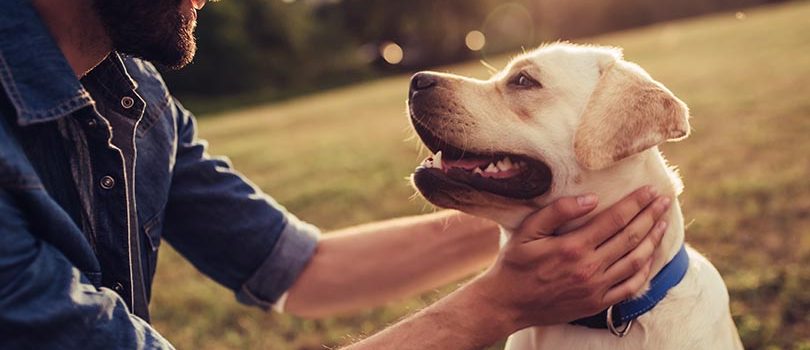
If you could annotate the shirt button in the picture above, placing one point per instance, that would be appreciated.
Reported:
(118, 287)
(107, 182)
(127, 102)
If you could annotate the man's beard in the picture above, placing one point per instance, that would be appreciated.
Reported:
(154, 30)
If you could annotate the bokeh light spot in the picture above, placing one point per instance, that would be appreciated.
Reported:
(392, 53)
(475, 40)
(507, 26)
(740, 15)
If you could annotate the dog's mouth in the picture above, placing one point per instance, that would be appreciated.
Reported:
(504, 174)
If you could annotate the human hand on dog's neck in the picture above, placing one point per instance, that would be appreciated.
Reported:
(78, 32)
(646, 168)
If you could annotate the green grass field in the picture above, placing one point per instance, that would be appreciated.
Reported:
(341, 158)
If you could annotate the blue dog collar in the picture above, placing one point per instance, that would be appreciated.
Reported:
(623, 314)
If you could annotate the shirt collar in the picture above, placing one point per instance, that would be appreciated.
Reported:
(33, 71)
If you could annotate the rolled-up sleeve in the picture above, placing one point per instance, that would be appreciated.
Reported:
(228, 228)
(292, 251)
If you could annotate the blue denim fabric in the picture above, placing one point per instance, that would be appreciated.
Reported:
(82, 217)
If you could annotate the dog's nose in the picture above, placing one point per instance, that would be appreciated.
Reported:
(422, 81)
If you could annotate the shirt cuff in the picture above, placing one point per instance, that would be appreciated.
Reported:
(293, 250)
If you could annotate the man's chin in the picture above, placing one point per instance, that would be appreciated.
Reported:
(180, 61)
(173, 58)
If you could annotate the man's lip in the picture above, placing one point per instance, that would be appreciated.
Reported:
(198, 4)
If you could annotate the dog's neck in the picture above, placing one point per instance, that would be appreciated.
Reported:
(646, 168)
(613, 184)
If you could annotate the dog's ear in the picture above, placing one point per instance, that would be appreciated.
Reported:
(627, 113)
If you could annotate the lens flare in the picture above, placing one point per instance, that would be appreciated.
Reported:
(509, 25)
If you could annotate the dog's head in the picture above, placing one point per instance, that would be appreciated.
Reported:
(505, 146)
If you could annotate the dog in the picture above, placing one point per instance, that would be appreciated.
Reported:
(564, 120)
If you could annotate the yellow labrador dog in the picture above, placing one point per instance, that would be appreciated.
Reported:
(560, 121)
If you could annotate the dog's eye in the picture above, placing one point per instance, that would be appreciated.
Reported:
(523, 80)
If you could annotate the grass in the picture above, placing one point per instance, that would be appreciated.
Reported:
(340, 158)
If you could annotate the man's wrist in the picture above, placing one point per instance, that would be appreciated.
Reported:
(497, 317)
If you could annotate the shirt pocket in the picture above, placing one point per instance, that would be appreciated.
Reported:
(152, 232)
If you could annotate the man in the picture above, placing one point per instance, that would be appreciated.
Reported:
(99, 163)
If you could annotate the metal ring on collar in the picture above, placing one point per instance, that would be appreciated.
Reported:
(613, 329)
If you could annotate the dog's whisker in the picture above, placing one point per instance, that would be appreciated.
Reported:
(411, 136)
(491, 68)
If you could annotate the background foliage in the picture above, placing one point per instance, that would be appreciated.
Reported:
(338, 158)
(270, 49)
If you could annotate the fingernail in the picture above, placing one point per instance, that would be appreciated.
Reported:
(652, 192)
(586, 200)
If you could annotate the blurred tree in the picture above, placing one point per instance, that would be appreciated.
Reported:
(225, 55)
(430, 32)
(260, 45)
(275, 47)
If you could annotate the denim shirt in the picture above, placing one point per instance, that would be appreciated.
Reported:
(94, 174)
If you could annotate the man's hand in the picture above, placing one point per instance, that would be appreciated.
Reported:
(543, 279)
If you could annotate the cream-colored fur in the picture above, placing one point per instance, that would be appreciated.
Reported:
(596, 123)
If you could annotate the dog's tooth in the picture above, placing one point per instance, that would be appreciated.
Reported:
(437, 159)
(478, 171)
(502, 166)
(508, 162)
(491, 168)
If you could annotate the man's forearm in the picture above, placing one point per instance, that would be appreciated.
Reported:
(462, 320)
(369, 265)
